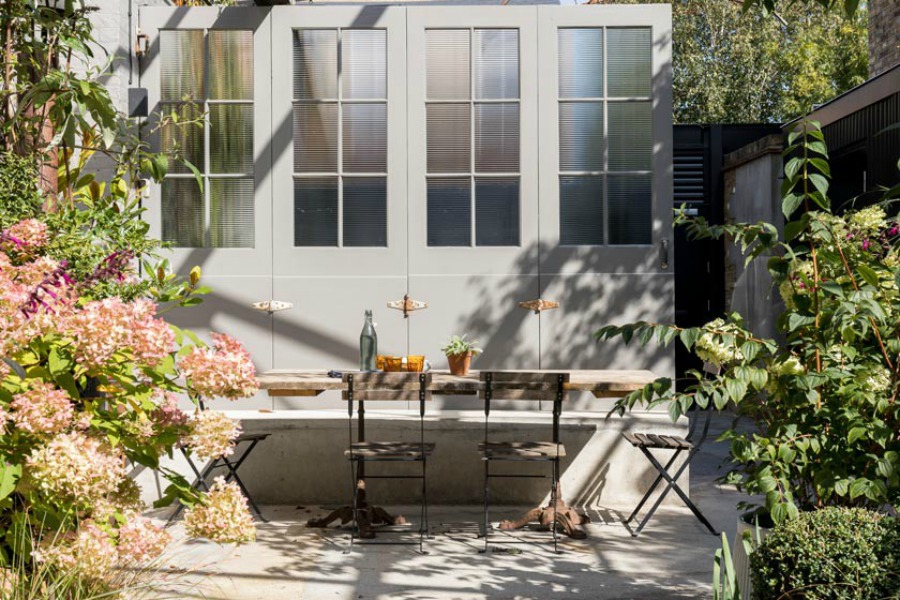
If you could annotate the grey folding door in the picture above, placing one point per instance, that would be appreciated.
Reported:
(471, 157)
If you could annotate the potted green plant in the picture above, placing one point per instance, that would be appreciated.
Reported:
(823, 398)
(460, 352)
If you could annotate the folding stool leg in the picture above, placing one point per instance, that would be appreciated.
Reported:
(354, 522)
(650, 491)
(197, 484)
(553, 500)
(487, 524)
(673, 485)
(423, 526)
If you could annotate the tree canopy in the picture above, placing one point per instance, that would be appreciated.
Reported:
(733, 65)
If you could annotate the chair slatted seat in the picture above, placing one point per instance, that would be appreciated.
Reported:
(536, 450)
(648, 440)
(388, 450)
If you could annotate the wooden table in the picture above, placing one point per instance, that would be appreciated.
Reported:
(601, 383)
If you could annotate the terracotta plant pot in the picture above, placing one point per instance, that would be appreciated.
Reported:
(459, 363)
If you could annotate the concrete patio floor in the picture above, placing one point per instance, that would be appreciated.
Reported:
(671, 559)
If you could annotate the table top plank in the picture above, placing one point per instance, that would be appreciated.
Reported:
(282, 382)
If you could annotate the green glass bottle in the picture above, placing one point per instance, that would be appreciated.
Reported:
(368, 344)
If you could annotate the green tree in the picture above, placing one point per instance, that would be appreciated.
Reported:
(743, 66)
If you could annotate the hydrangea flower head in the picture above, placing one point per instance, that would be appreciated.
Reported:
(212, 434)
(77, 468)
(42, 409)
(223, 517)
(225, 370)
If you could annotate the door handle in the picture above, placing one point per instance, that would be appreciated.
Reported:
(664, 254)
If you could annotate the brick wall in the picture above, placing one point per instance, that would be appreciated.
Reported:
(884, 35)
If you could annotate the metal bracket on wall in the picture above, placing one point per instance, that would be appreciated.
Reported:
(539, 305)
(272, 306)
(407, 305)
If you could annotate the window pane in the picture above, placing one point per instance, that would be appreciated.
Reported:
(364, 63)
(496, 138)
(181, 54)
(497, 211)
(182, 212)
(231, 213)
(630, 136)
(315, 138)
(365, 137)
(580, 211)
(365, 211)
(580, 63)
(449, 212)
(231, 138)
(628, 61)
(449, 138)
(231, 65)
(315, 211)
(580, 136)
(183, 141)
(315, 63)
(448, 64)
(630, 209)
(496, 64)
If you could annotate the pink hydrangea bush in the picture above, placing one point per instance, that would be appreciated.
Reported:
(90, 387)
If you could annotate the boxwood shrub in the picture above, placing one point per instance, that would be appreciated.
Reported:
(829, 554)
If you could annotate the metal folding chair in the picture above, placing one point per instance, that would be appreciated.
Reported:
(532, 386)
(244, 445)
(691, 444)
(405, 387)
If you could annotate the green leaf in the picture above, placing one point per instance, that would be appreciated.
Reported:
(856, 433)
(790, 204)
(67, 382)
(59, 364)
(822, 165)
(842, 487)
(794, 228)
(197, 175)
(818, 147)
(9, 476)
(868, 274)
(689, 337)
(819, 182)
(858, 488)
(793, 167)
(833, 288)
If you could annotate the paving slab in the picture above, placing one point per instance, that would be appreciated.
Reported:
(672, 558)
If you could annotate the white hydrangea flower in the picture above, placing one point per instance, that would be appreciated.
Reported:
(710, 347)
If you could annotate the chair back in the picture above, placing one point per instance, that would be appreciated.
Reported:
(524, 385)
(401, 387)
